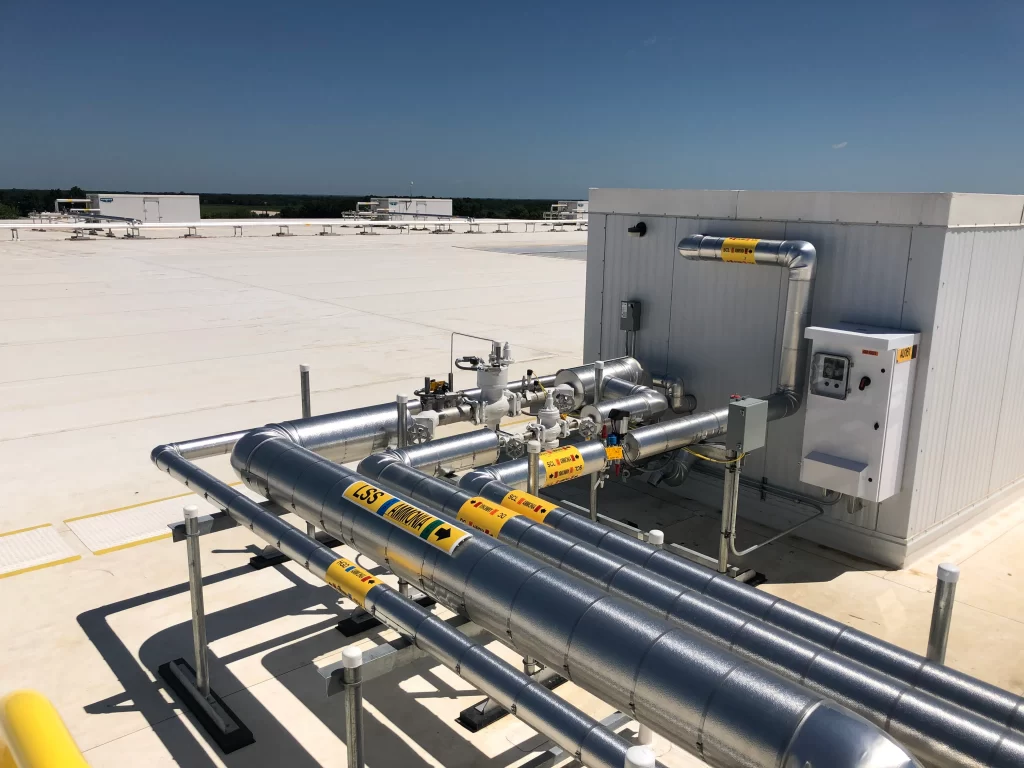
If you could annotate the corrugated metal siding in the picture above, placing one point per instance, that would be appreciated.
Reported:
(638, 268)
(944, 345)
(592, 325)
(862, 274)
(723, 333)
(1008, 462)
(924, 275)
(989, 310)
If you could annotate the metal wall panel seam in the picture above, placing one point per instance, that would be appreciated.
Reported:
(921, 516)
(1002, 390)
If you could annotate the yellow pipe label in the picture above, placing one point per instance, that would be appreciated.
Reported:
(562, 464)
(740, 249)
(613, 452)
(485, 517)
(415, 520)
(527, 504)
(351, 580)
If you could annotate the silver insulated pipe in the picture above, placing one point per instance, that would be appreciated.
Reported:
(800, 259)
(582, 377)
(531, 702)
(726, 711)
(636, 399)
(745, 608)
(938, 732)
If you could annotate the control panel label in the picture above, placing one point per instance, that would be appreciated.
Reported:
(562, 464)
(739, 249)
(484, 516)
(351, 580)
(415, 520)
(527, 504)
(906, 354)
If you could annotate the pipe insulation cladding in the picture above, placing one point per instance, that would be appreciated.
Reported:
(576, 732)
(704, 698)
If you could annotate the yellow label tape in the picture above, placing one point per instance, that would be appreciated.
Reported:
(562, 464)
(906, 354)
(415, 520)
(613, 452)
(740, 249)
(527, 504)
(351, 580)
(485, 517)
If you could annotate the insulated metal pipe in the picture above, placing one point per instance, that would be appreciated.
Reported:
(591, 458)
(454, 453)
(652, 439)
(729, 712)
(797, 256)
(939, 733)
(970, 694)
(644, 403)
(349, 435)
(582, 377)
(573, 730)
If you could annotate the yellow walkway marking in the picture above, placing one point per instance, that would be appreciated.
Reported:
(122, 527)
(29, 549)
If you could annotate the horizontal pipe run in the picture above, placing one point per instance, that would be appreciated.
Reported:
(898, 710)
(652, 439)
(592, 458)
(536, 706)
(642, 404)
(974, 696)
(453, 453)
(582, 378)
(796, 256)
(729, 712)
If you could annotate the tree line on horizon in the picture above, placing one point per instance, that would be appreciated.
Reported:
(17, 203)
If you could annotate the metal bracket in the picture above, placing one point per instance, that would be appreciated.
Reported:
(387, 657)
(213, 714)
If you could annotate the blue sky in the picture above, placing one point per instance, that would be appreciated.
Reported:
(512, 99)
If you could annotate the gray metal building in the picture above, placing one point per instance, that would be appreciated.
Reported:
(948, 266)
(147, 208)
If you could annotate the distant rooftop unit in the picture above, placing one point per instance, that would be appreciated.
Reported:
(146, 208)
(404, 207)
(568, 209)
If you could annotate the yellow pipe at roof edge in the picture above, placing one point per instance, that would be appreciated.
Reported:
(33, 735)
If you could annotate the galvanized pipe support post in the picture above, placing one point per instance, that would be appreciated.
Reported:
(533, 459)
(307, 412)
(352, 658)
(195, 590)
(640, 757)
(730, 501)
(942, 611)
(595, 479)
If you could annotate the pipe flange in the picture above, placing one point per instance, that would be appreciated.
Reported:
(589, 429)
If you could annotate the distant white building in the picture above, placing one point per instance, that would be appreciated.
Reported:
(146, 208)
(405, 207)
(568, 209)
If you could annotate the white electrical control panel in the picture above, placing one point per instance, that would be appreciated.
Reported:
(858, 409)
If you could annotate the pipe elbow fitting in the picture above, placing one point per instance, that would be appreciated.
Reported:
(689, 247)
(800, 258)
(840, 739)
(375, 464)
(157, 454)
